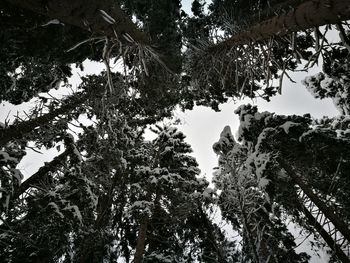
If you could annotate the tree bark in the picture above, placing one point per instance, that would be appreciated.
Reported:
(340, 225)
(100, 17)
(271, 11)
(17, 131)
(309, 14)
(141, 241)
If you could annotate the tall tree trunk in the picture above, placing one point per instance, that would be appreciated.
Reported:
(221, 258)
(309, 14)
(141, 241)
(104, 213)
(101, 17)
(246, 228)
(141, 238)
(16, 131)
(340, 225)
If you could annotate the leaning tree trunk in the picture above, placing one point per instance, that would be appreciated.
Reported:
(271, 11)
(41, 174)
(324, 234)
(309, 14)
(101, 17)
(221, 257)
(17, 131)
(249, 234)
(339, 224)
(328, 212)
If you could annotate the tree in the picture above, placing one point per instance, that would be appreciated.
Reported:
(295, 20)
(245, 204)
(31, 44)
(285, 150)
(173, 199)
(245, 61)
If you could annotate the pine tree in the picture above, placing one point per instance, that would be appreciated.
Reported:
(248, 207)
(247, 58)
(285, 151)
(173, 198)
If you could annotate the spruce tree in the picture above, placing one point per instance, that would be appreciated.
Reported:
(289, 157)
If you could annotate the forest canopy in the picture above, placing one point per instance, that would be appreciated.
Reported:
(110, 194)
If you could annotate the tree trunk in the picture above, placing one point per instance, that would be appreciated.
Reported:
(326, 237)
(309, 14)
(101, 17)
(41, 174)
(18, 130)
(221, 258)
(141, 241)
(246, 228)
(104, 209)
(328, 212)
(271, 11)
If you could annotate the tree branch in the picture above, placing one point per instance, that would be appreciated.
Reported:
(100, 17)
(41, 174)
(16, 131)
(307, 15)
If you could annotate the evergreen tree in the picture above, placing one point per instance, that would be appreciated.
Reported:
(248, 207)
(172, 199)
(333, 81)
(286, 151)
(245, 59)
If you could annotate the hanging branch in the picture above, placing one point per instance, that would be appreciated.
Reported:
(103, 18)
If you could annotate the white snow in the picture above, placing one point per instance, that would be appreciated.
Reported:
(287, 125)
(52, 22)
(263, 182)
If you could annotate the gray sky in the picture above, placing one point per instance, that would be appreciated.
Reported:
(203, 126)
